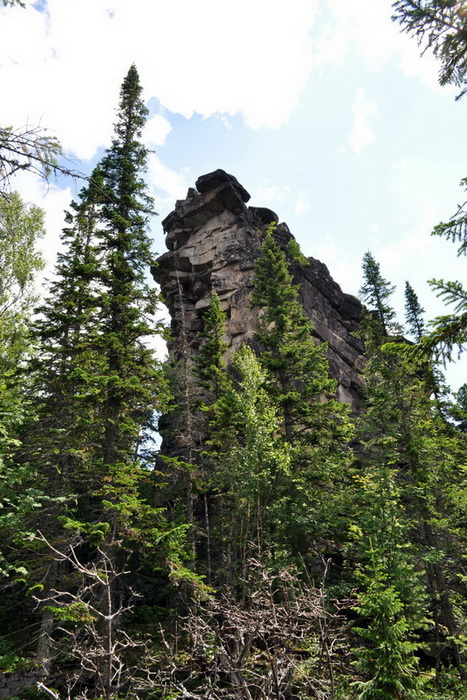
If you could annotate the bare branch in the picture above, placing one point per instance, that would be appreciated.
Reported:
(32, 149)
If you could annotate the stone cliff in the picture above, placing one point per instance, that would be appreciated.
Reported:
(213, 240)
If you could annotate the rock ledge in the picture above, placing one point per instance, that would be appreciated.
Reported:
(213, 241)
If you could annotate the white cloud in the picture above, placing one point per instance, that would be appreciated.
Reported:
(362, 133)
(156, 130)
(64, 66)
(365, 29)
(172, 184)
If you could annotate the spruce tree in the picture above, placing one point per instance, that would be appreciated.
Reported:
(439, 25)
(297, 365)
(407, 521)
(376, 291)
(413, 313)
(98, 385)
(313, 422)
(209, 361)
(127, 303)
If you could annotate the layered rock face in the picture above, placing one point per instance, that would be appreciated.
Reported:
(213, 239)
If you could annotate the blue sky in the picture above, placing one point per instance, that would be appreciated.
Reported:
(322, 109)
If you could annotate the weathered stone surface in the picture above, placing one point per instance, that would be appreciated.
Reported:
(206, 183)
(213, 242)
(266, 216)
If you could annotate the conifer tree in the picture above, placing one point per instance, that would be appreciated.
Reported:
(313, 422)
(210, 362)
(439, 25)
(127, 302)
(407, 463)
(376, 291)
(288, 351)
(414, 313)
(98, 385)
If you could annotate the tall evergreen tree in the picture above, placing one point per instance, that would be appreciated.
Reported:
(98, 385)
(209, 362)
(288, 350)
(408, 465)
(413, 313)
(127, 302)
(313, 422)
(376, 291)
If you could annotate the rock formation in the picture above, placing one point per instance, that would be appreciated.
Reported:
(213, 241)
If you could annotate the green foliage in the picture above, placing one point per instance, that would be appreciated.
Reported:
(294, 251)
(413, 313)
(21, 226)
(441, 26)
(313, 423)
(297, 366)
(406, 520)
(375, 292)
(391, 599)
(74, 613)
(388, 657)
(210, 363)
(255, 467)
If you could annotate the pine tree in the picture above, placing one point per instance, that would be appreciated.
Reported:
(98, 385)
(413, 313)
(376, 291)
(209, 361)
(406, 516)
(313, 422)
(288, 350)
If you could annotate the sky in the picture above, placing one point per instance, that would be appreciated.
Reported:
(324, 111)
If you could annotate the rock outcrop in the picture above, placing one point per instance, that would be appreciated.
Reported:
(213, 241)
